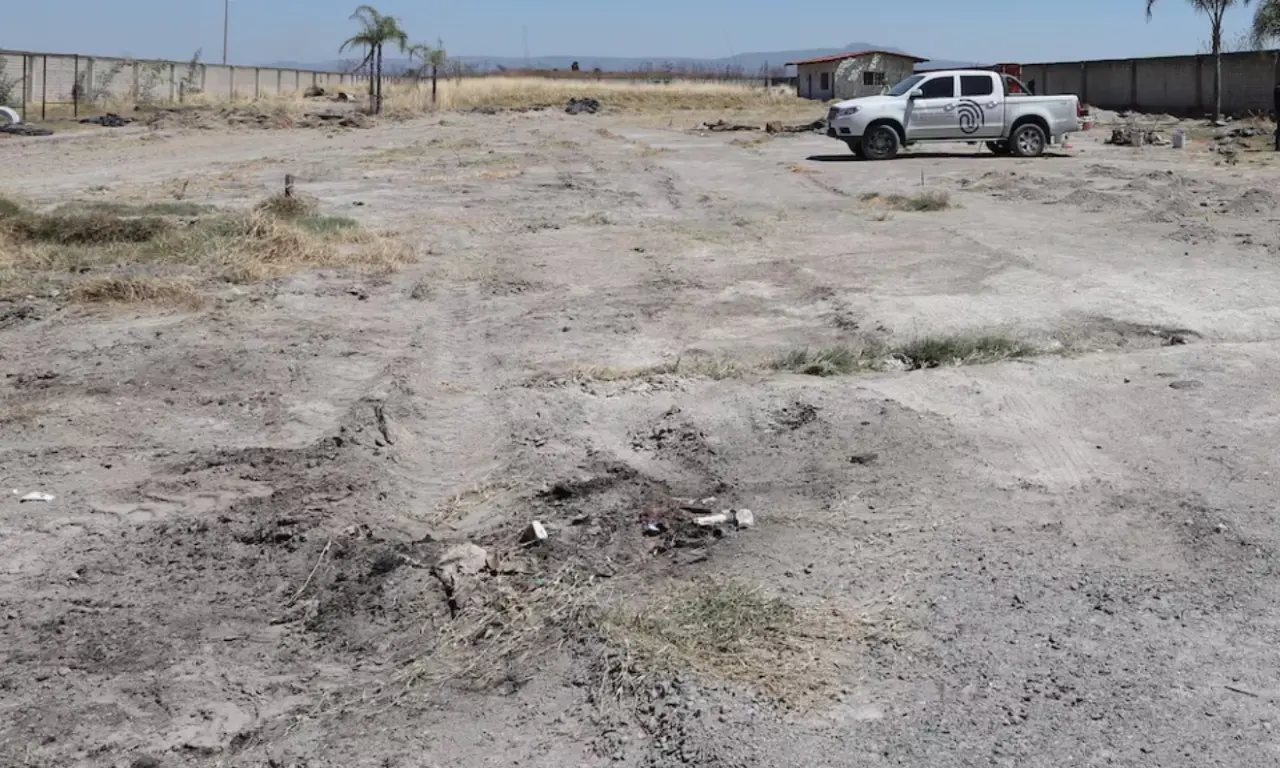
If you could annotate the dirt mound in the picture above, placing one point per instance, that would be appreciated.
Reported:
(1010, 185)
(1099, 201)
(251, 116)
(1253, 202)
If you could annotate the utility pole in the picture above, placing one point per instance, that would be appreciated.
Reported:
(226, 28)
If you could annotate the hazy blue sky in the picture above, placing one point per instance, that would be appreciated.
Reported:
(270, 30)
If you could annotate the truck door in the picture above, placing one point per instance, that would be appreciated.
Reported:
(979, 112)
(932, 114)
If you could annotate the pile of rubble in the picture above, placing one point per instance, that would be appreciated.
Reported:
(1136, 136)
(582, 106)
(773, 126)
(109, 120)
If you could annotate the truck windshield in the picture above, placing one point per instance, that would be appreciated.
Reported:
(904, 87)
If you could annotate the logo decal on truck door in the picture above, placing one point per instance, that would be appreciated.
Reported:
(972, 116)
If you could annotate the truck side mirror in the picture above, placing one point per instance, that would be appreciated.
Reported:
(916, 93)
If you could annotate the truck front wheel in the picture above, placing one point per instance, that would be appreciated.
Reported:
(999, 147)
(1028, 140)
(880, 142)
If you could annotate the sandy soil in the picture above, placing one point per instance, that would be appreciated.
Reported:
(1065, 560)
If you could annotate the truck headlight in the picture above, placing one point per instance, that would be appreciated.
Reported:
(847, 111)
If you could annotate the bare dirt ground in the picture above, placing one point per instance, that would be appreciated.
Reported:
(1068, 559)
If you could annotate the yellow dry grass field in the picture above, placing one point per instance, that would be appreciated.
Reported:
(159, 253)
(691, 98)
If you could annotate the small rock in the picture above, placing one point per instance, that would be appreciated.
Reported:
(773, 126)
(1186, 384)
(145, 761)
(744, 518)
(863, 458)
(535, 533)
(654, 528)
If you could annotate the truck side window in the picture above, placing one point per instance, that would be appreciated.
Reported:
(976, 85)
(939, 88)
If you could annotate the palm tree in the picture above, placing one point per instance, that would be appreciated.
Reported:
(433, 58)
(1266, 24)
(1215, 10)
(376, 31)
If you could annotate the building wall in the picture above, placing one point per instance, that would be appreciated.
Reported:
(1175, 84)
(36, 82)
(809, 80)
(849, 74)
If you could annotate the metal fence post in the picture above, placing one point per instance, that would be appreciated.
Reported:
(75, 88)
(44, 85)
(25, 85)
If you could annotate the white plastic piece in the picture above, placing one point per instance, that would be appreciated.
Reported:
(11, 114)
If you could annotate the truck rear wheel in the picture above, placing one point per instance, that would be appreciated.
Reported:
(999, 147)
(1028, 140)
(880, 142)
(855, 146)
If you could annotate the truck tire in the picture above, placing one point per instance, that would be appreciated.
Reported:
(999, 147)
(1028, 140)
(855, 146)
(880, 142)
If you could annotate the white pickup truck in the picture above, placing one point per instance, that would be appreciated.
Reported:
(956, 105)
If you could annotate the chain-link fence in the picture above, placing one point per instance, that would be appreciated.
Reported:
(47, 85)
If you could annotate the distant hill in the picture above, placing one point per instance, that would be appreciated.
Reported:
(747, 63)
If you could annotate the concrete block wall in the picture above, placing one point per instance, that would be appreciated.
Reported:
(41, 81)
(1174, 84)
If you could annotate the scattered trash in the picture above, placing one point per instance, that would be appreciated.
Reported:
(708, 521)
(37, 496)
(864, 458)
(24, 129)
(654, 528)
(313, 91)
(11, 115)
(535, 533)
(1179, 139)
(721, 125)
(1133, 136)
(581, 106)
(109, 120)
(744, 518)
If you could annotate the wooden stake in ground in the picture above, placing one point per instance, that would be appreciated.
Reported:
(288, 185)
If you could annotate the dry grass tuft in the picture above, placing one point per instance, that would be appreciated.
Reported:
(286, 207)
(118, 209)
(138, 289)
(937, 351)
(718, 629)
(923, 202)
(10, 208)
(531, 92)
(507, 623)
(829, 361)
(84, 229)
(274, 240)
